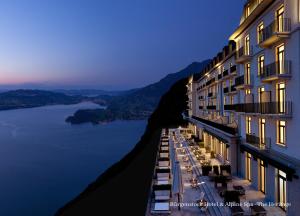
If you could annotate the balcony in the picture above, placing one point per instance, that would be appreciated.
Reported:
(244, 55)
(225, 73)
(226, 90)
(233, 89)
(216, 125)
(276, 71)
(277, 30)
(233, 70)
(266, 108)
(201, 98)
(241, 83)
(211, 95)
(230, 107)
(258, 142)
(211, 107)
(219, 76)
(211, 81)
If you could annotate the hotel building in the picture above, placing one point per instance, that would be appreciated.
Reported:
(244, 103)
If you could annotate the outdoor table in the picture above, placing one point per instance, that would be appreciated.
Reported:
(257, 209)
(236, 211)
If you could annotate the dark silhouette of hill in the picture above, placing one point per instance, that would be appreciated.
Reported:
(33, 98)
(138, 104)
(124, 188)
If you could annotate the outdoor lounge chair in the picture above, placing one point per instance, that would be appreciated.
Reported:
(163, 176)
(161, 208)
(161, 195)
(163, 163)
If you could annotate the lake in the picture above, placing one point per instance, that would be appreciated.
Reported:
(45, 162)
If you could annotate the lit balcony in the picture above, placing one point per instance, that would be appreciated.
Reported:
(225, 73)
(233, 70)
(214, 124)
(282, 109)
(277, 30)
(241, 83)
(276, 71)
(262, 143)
(244, 54)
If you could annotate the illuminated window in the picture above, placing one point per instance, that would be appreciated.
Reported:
(247, 11)
(260, 64)
(262, 131)
(248, 91)
(281, 134)
(247, 74)
(262, 176)
(281, 97)
(260, 29)
(248, 125)
(231, 99)
(247, 45)
(260, 92)
(280, 19)
(280, 59)
(281, 189)
(248, 166)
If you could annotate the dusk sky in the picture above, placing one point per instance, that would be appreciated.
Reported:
(109, 44)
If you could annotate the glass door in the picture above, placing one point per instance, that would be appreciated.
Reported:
(280, 60)
(282, 188)
(262, 131)
(280, 19)
(262, 176)
(281, 97)
(248, 166)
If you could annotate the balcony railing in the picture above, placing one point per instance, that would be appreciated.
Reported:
(275, 70)
(244, 54)
(226, 90)
(211, 81)
(225, 73)
(240, 80)
(272, 108)
(211, 107)
(278, 28)
(219, 126)
(232, 89)
(233, 69)
(230, 107)
(258, 142)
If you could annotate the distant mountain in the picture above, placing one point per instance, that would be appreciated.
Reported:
(93, 92)
(33, 98)
(137, 104)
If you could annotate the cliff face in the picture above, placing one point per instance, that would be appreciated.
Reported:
(124, 188)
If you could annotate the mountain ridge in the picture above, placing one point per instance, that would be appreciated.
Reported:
(139, 104)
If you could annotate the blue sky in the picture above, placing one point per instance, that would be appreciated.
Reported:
(109, 44)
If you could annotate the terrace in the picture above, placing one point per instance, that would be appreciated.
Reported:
(204, 191)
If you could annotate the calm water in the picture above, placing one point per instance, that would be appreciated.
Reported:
(45, 162)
